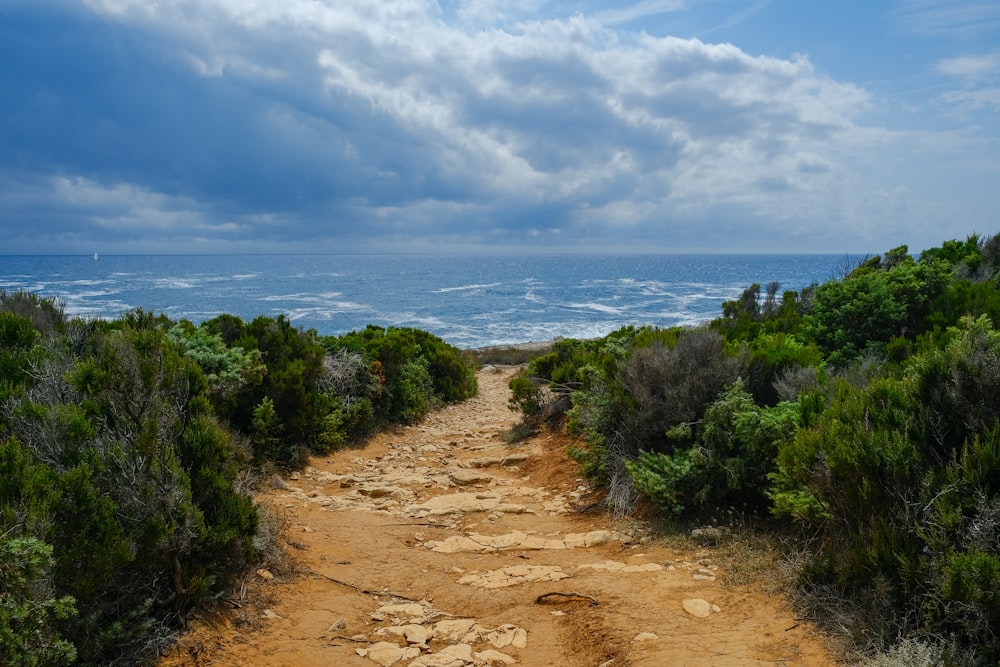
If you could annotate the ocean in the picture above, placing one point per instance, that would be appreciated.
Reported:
(469, 301)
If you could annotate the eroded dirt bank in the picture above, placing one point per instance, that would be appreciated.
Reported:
(441, 545)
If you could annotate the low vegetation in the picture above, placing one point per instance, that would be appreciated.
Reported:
(863, 412)
(126, 456)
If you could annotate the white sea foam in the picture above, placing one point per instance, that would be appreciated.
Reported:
(599, 307)
(532, 297)
(465, 288)
(175, 283)
(93, 294)
(88, 282)
(304, 297)
(102, 310)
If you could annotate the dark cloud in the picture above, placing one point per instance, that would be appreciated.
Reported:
(322, 126)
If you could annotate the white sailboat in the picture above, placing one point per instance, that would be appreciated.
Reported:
(96, 256)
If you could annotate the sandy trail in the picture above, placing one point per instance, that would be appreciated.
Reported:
(441, 545)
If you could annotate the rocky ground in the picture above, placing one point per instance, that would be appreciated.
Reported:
(442, 545)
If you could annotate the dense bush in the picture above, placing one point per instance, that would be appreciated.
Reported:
(723, 461)
(47, 316)
(123, 505)
(882, 299)
(28, 611)
(318, 393)
(417, 370)
(866, 409)
(631, 398)
(112, 458)
(905, 475)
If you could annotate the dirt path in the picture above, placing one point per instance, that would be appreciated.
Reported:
(441, 545)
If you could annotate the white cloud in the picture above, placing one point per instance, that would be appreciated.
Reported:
(638, 10)
(973, 100)
(971, 67)
(953, 18)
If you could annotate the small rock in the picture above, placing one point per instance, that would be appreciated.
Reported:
(278, 483)
(339, 624)
(294, 476)
(456, 655)
(413, 610)
(492, 657)
(454, 629)
(384, 653)
(467, 477)
(645, 637)
(413, 633)
(508, 635)
(697, 607)
(265, 574)
(709, 535)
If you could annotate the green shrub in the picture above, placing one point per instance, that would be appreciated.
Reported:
(631, 398)
(114, 459)
(47, 316)
(728, 462)
(880, 300)
(669, 480)
(525, 395)
(29, 611)
(416, 371)
(17, 352)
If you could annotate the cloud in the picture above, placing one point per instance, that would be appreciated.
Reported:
(359, 125)
(963, 19)
(973, 100)
(979, 75)
(971, 67)
(628, 13)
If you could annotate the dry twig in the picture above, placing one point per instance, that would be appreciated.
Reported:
(359, 588)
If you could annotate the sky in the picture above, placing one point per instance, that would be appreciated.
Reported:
(498, 126)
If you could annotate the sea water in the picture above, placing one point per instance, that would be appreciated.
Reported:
(469, 301)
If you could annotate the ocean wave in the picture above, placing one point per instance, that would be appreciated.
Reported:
(304, 297)
(428, 322)
(464, 288)
(325, 311)
(531, 297)
(91, 294)
(87, 282)
(599, 307)
(175, 283)
(101, 310)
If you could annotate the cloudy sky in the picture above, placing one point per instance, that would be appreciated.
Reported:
(199, 126)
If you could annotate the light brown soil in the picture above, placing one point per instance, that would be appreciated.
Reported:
(371, 528)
